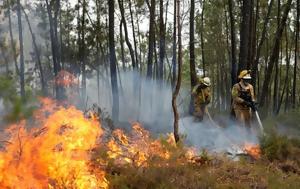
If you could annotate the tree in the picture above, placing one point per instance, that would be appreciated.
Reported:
(233, 44)
(201, 37)
(173, 82)
(296, 55)
(178, 84)
(244, 34)
(192, 52)
(37, 53)
(260, 44)
(123, 20)
(151, 40)
(22, 79)
(112, 58)
(162, 40)
(273, 56)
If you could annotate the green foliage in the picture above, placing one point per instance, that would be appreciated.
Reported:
(280, 148)
(16, 108)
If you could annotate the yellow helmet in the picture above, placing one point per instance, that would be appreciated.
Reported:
(245, 74)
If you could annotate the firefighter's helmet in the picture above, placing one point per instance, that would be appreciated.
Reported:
(206, 81)
(245, 74)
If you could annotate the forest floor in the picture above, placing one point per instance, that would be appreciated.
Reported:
(278, 165)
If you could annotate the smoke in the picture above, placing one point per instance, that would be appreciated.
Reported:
(149, 102)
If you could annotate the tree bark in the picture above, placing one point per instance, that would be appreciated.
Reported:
(260, 44)
(12, 38)
(22, 70)
(193, 76)
(162, 41)
(296, 56)
(201, 37)
(173, 82)
(121, 6)
(37, 53)
(272, 60)
(122, 45)
(112, 55)
(178, 84)
(244, 34)
(233, 44)
(133, 34)
(151, 40)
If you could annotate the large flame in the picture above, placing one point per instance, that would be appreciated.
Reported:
(136, 148)
(53, 153)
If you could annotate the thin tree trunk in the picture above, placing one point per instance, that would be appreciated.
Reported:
(278, 35)
(286, 74)
(133, 34)
(260, 45)
(174, 47)
(22, 70)
(37, 53)
(201, 37)
(296, 55)
(122, 46)
(276, 88)
(162, 41)
(56, 67)
(151, 40)
(12, 38)
(178, 84)
(192, 53)
(233, 43)
(113, 61)
(121, 6)
(244, 34)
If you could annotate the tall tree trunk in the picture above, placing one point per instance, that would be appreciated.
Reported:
(272, 60)
(244, 34)
(56, 67)
(37, 53)
(12, 38)
(178, 84)
(151, 39)
(162, 40)
(122, 46)
(22, 80)
(192, 53)
(173, 82)
(296, 55)
(133, 34)
(276, 88)
(113, 61)
(233, 47)
(286, 82)
(83, 51)
(121, 6)
(201, 37)
(260, 44)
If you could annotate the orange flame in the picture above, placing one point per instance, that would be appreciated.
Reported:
(253, 150)
(54, 153)
(136, 148)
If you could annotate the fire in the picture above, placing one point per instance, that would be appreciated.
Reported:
(66, 79)
(253, 150)
(53, 153)
(136, 148)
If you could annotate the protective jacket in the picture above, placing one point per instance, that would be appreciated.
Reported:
(241, 109)
(202, 97)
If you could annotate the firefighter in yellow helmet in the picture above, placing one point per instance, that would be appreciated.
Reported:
(243, 98)
(202, 97)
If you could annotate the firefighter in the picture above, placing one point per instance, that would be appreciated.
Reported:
(202, 96)
(243, 99)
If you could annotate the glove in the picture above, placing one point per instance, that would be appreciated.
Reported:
(248, 104)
